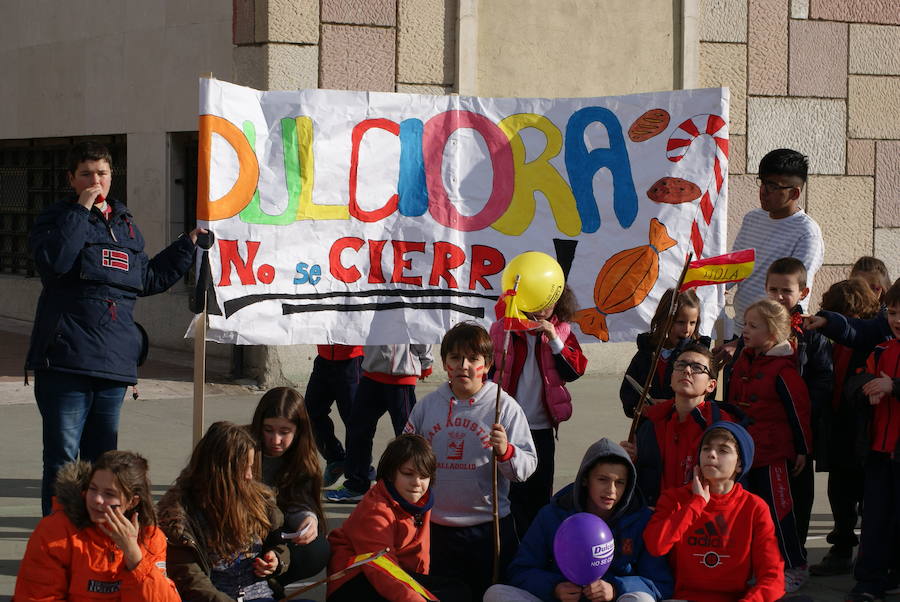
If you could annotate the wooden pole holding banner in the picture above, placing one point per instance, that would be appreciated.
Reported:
(200, 324)
(495, 485)
(667, 326)
(199, 371)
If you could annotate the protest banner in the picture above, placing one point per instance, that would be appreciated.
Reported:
(375, 218)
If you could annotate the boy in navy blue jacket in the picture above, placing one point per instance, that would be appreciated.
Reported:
(605, 486)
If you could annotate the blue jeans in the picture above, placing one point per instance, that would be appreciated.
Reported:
(80, 417)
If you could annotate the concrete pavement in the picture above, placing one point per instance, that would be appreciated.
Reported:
(158, 425)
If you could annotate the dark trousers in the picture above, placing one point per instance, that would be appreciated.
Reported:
(845, 496)
(80, 417)
(803, 490)
(879, 524)
(528, 497)
(772, 483)
(467, 553)
(372, 400)
(359, 589)
(331, 381)
(308, 560)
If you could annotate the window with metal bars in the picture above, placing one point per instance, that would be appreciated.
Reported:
(33, 177)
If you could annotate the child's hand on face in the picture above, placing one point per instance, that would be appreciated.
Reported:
(266, 564)
(878, 388)
(699, 485)
(498, 440)
(546, 328)
(567, 591)
(599, 590)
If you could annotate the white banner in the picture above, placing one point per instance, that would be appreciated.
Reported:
(375, 218)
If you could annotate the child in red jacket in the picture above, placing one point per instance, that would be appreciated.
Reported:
(393, 514)
(665, 450)
(881, 492)
(539, 363)
(766, 385)
(720, 536)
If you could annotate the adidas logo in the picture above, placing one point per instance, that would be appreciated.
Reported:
(710, 534)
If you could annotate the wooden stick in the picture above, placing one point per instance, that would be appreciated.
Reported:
(495, 485)
(667, 326)
(337, 575)
(199, 371)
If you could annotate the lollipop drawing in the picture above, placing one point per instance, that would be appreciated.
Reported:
(677, 147)
(624, 281)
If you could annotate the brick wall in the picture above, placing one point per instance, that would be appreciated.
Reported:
(823, 77)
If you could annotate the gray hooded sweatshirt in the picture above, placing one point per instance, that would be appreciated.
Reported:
(459, 433)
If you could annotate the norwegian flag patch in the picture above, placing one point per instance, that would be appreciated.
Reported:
(115, 259)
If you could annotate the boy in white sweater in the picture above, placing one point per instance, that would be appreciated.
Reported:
(457, 419)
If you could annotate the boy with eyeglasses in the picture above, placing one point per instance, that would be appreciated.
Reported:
(779, 228)
(665, 449)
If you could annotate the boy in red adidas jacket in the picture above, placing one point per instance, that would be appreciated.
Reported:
(718, 535)
(881, 492)
(665, 450)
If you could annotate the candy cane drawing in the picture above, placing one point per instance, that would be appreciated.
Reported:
(677, 147)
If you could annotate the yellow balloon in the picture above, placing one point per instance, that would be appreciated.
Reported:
(541, 280)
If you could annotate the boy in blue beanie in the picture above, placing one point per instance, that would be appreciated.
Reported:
(718, 535)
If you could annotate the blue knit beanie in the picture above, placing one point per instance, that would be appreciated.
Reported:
(745, 444)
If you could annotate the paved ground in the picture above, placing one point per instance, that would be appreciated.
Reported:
(159, 426)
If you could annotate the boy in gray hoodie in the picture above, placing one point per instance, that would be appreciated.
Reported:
(458, 420)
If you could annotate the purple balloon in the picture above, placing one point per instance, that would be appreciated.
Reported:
(583, 547)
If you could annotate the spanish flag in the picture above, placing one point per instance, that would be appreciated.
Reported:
(513, 318)
(393, 569)
(731, 267)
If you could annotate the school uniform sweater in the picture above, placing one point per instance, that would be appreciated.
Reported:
(769, 389)
(885, 428)
(715, 548)
(459, 433)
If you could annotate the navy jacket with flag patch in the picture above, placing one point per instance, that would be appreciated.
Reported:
(92, 271)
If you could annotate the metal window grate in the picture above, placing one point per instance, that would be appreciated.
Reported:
(33, 177)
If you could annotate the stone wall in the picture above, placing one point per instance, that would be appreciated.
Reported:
(823, 77)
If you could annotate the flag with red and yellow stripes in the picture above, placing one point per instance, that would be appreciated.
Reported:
(392, 569)
(731, 267)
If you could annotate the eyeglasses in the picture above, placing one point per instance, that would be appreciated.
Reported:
(771, 186)
(695, 367)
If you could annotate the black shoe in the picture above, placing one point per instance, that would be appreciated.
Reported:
(832, 564)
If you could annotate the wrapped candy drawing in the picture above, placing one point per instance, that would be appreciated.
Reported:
(624, 281)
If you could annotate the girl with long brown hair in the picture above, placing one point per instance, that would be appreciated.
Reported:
(223, 525)
(101, 538)
(685, 329)
(290, 465)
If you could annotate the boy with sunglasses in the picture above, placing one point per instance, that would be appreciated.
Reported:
(779, 228)
(665, 449)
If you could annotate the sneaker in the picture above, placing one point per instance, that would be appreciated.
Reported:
(333, 472)
(832, 564)
(372, 473)
(343, 495)
(795, 578)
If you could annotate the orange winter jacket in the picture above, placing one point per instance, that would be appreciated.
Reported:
(68, 558)
(382, 521)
